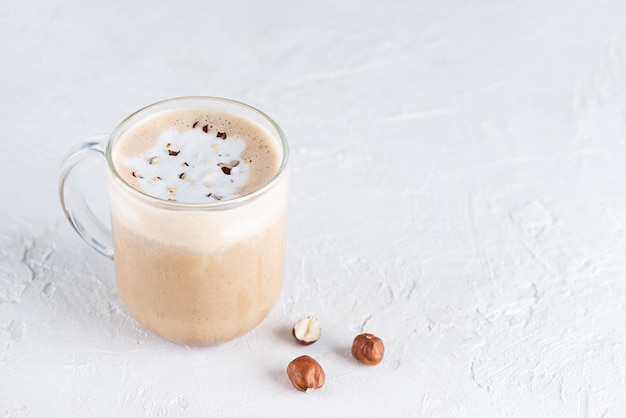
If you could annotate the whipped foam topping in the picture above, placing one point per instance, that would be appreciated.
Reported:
(193, 166)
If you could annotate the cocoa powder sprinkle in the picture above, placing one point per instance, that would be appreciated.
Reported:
(205, 128)
(226, 170)
(221, 135)
(173, 153)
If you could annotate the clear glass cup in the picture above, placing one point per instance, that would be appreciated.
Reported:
(193, 273)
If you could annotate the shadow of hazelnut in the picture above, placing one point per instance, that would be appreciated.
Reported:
(284, 335)
(280, 376)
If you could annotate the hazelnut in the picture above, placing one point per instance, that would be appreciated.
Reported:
(306, 374)
(368, 348)
(307, 330)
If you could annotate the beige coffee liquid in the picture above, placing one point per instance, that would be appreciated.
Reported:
(198, 276)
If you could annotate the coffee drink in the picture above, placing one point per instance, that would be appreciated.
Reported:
(199, 234)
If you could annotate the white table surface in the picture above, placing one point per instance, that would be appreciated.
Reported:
(458, 188)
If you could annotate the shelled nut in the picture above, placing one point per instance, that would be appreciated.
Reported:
(307, 330)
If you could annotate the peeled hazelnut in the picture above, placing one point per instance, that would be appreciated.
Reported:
(306, 374)
(368, 348)
(307, 330)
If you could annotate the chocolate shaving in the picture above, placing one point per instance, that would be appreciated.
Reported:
(154, 160)
(209, 195)
(134, 175)
(226, 170)
(234, 163)
(182, 175)
(221, 135)
(185, 164)
(218, 197)
(195, 124)
(173, 153)
(168, 145)
(205, 128)
(157, 178)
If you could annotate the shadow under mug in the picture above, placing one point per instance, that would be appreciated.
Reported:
(193, 273)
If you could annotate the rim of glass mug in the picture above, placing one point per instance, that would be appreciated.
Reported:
(226, 105)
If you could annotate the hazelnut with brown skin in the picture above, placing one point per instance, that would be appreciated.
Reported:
(368, 349)
(306, 374)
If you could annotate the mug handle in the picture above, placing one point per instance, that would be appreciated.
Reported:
(76, 209)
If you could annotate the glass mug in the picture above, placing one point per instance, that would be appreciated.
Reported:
(192, 273)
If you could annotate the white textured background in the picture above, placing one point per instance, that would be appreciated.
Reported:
(458, 188)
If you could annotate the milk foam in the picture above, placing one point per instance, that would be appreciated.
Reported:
(205, 230)
(192, 166)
